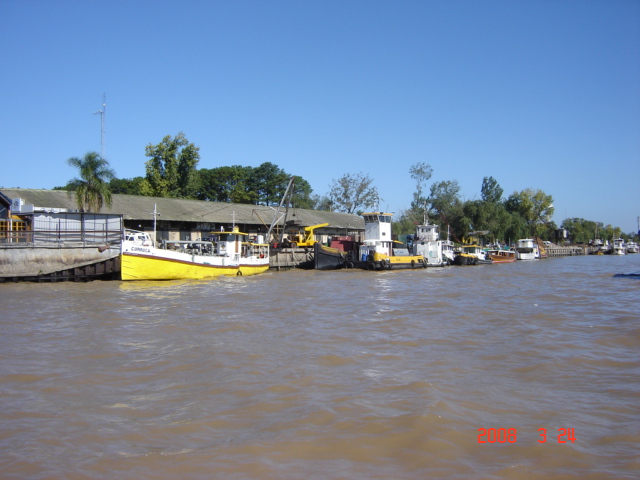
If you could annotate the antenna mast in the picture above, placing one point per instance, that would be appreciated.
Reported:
(102, 115)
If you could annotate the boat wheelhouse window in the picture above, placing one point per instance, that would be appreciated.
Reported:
(385, 218)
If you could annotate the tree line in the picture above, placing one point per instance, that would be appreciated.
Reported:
(523, 214)
(172, 171)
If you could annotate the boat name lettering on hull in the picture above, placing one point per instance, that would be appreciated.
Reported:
(140, 249)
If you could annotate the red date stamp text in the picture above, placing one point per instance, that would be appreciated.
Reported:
(510, 435)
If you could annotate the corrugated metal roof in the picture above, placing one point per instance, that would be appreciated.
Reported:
(134, 207)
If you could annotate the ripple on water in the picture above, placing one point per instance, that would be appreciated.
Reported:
(325, 375)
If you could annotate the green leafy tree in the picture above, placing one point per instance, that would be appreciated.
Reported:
(172, 168)
(609, 232)
(489, 213)
(227, 184)
(323, 203)
(497, 221)
(404, 225)
(517, 228)
(270, 182)
(126, 186)
(444, 202)
(581, 230)
(301, 197)
(265, 184)
(475, 211)
(535, 207)
(420, 172)
(91, 190)
(491, 191)
(351, 192)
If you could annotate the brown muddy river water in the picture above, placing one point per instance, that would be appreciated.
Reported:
(439, 373)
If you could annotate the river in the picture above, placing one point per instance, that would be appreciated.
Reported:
(513, 371)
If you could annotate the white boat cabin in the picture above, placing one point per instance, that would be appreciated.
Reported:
(223, 244)
(619, 247)
(428, 244)
(377, 235)
(527, 249)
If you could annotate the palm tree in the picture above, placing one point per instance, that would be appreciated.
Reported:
(92, 188)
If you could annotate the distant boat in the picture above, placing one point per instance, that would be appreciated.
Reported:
(471, 255)
(448, 251)
(527, 249)
(632, 247)
(618, 247)
(502, 255)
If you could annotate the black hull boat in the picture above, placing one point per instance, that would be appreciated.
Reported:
(328, 258)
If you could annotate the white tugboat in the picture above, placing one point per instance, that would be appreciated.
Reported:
(428, 244)
(379, 251)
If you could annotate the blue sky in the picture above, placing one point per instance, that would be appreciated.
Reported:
(538, 94)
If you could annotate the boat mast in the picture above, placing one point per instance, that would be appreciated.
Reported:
(285, 199)
(155, 214)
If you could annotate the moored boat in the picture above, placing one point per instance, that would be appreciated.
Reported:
(501, 255)
(225, 253)
(527, 249)
(448, 251)
(328, 258)
(471, 255)
(428, 244)
(632, 247)
(618, 247)
(379, 251)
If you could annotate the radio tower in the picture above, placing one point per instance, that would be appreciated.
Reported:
(102, 115)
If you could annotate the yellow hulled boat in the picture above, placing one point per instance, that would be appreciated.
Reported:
(224, 253)
(379, 251)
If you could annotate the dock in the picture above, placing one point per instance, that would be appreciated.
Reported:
(28, 263)
(565, 251)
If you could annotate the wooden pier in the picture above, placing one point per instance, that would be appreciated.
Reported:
(565, 251)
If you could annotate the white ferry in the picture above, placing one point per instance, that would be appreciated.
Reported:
(527, 249)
